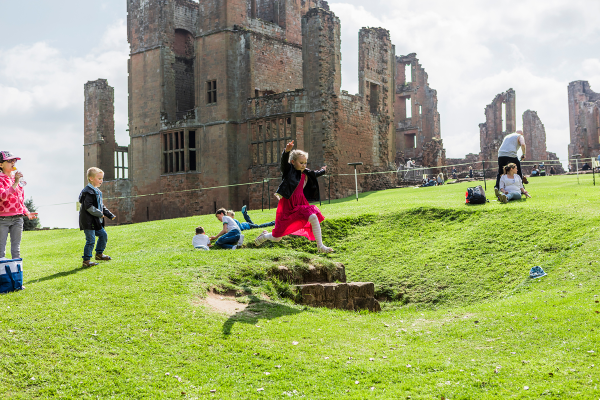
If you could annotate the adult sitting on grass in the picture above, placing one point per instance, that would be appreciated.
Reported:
(511, 185)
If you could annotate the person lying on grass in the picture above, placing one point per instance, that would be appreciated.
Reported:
(244, 226)
(511, 185)
(294, 215)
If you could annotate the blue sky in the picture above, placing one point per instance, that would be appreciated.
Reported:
(471, 50)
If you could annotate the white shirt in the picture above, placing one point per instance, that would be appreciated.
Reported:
(511, 185)
(200, 240)
(231, 225)
(510, 145)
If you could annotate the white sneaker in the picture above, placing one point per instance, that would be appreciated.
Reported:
(234, 247)
(325, 249)
(261, 238)
(241, 241)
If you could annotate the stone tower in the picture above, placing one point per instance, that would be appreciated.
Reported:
(99, 128)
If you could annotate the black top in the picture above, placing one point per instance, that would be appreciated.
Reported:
(291, 179)
(89, 202)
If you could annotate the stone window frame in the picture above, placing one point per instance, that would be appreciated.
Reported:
(267, 150)
(178, 152)
(121, 164)
(211, 92)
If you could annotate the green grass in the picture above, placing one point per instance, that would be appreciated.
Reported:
(464, 321)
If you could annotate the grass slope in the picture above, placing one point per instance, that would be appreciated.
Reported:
(465, 321)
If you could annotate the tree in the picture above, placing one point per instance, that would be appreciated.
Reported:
(30, 224)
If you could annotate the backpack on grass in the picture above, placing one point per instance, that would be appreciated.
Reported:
(11, 275)
(475, 195)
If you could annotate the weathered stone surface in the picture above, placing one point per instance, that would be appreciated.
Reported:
(217, 88)
(492, 131)
(344, 296)
(584, 120)
(418, 135)
(312, 274)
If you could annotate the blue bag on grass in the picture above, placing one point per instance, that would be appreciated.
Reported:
(11, 275)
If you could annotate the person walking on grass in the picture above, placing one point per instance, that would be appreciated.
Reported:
(12, 205)
(294, 215)
(511, 186)
(508, 154)
(229, 236)
(91, 218)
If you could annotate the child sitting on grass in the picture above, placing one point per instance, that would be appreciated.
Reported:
(230, 234)
(201, 241)
(91, 217)
(294, 215)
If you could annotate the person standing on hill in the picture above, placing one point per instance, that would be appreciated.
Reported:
(295, 216)
(508, 154)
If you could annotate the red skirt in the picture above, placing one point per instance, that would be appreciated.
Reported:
(292, 215)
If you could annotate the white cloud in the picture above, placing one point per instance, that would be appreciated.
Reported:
(41, 115)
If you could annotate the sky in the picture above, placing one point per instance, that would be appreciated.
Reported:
(471, 50)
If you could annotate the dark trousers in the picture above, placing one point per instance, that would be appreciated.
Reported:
(502, 161)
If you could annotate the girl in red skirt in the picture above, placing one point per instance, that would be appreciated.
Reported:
(294, 215)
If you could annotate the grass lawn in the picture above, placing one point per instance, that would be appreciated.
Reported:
(463, 320)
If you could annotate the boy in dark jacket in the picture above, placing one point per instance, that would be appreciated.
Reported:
(91, 217)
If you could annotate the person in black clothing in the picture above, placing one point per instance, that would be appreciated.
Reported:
(91, 218)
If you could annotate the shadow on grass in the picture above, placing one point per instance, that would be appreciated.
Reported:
(256, 311)
(57, 275)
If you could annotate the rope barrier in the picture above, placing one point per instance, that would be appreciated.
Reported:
(399, 170)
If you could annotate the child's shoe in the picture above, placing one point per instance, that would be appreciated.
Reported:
(88, 263)
(325, 249)
(241, 241)
(244, 209)
(261, 238)
(234, 247)
(497, 192)
(102, 257)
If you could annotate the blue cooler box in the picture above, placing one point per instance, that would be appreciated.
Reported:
(11, 275)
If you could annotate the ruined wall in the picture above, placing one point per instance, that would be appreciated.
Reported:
(535, 137)
(584, 120)
(492, 132)
(415, 133)
(99, 128)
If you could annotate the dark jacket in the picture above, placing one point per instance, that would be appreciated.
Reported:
(291, 179)
(89, 215)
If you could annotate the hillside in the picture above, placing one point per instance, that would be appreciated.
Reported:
(462, 320)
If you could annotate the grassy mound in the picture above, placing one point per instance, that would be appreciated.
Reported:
(465, 321)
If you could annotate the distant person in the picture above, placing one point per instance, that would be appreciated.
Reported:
(511, 186)
(508, 154)
(585, 167)
(470, 172)
(440, 179)
(552, 171)
(453, 173)
(409, 163)
(534, 171)
(12, 205)
(201, 241)
(229, 236)
(91, 218)
(430, 182)
(295, 216)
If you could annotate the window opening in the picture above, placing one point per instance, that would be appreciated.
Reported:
(192, 150)
(211, 92)
(174, 152)
(503, 117)
(408, 73)
(269, 139)
(121, 163)
(408, 108)
(374, 97)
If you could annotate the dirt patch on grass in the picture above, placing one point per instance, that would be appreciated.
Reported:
(223, 303)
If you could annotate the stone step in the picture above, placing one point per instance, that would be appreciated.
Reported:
(311, 275)
(345, 296)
